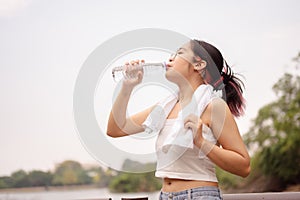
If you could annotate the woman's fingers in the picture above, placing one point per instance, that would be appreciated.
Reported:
(192, 126)
(193, 118)
(136, 62)
(195, 123)
(133, 73)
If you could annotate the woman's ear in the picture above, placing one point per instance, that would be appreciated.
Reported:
(200, 65)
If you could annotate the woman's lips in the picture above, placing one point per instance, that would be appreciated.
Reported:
(168, 66)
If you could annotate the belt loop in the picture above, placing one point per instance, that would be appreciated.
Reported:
(189, 194)
(221, 194)
(170, 196)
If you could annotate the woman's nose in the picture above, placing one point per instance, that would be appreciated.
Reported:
(172, 57)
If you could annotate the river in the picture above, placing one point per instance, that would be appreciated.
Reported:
(80, 194)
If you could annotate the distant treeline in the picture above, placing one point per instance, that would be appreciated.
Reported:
(69, 173)
(66, 173)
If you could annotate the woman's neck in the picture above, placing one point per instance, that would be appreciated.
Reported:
(187, 88)
(186, 92)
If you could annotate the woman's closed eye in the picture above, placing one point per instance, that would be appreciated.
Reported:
(179, 52)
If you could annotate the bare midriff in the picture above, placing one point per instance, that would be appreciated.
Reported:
(176, 185)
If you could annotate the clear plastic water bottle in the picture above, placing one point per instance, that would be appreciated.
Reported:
(119, 72)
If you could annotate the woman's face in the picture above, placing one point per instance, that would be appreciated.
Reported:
(181, 65)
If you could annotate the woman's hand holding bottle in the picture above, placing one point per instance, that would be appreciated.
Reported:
(133, 74)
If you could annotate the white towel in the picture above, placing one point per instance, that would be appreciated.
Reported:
(179, 136)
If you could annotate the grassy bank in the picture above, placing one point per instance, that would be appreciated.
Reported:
(49, 188)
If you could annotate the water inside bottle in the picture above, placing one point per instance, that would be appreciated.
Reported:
(119, 72)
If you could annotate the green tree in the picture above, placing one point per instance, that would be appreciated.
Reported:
(70, 173)
(130, 182)
(6, 182)
(39, 178)
(276, 132)
(135, 182)
(99, 177)
(20, 179)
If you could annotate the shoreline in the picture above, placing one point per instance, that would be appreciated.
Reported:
(49, 188)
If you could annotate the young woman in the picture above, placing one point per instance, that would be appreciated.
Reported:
(197, 68)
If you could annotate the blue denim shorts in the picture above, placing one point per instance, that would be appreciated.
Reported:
(207, 193)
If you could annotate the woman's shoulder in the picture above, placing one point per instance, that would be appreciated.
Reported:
(217, 103)
(217, 108)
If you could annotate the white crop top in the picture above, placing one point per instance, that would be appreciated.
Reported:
(183, 163)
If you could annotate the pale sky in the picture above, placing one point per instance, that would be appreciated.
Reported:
(44, 43)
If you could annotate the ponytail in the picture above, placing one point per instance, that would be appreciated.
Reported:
(234, 91)
(231, 85)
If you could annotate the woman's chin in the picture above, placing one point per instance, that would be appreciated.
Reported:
(172, 77)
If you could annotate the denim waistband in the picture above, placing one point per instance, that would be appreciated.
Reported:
(207, 191)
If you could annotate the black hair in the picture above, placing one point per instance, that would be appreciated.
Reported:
(225, 78)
